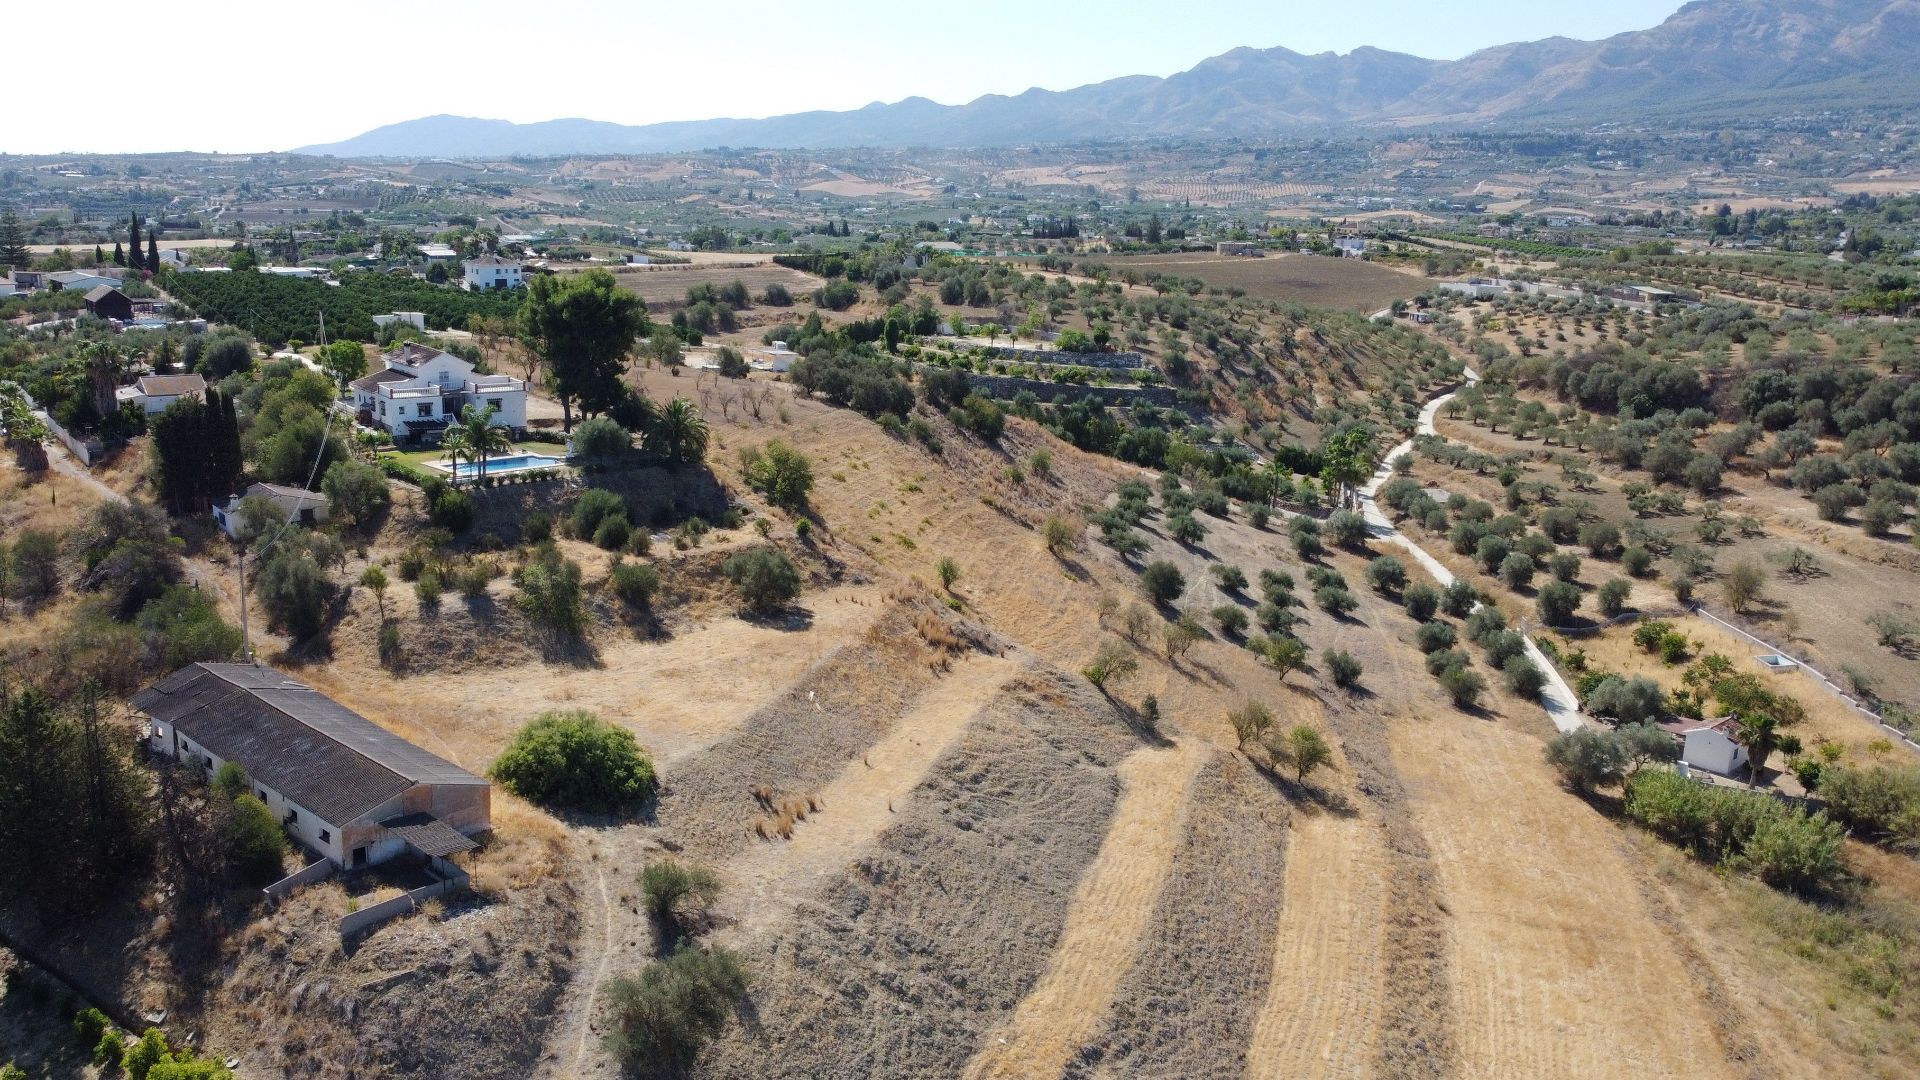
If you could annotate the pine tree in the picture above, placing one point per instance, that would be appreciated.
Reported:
(119, 254)
(13, 241)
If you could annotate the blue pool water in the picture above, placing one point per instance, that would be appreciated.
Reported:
(510, 463)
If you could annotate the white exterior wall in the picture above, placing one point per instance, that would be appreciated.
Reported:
(481, 278)
(306, 827)
(1712, 750)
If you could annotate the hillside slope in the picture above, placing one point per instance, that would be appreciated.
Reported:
(1711, 58)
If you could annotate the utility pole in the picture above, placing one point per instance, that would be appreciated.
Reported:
(246, 635)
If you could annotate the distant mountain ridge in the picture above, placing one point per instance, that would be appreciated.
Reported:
(1712, 58)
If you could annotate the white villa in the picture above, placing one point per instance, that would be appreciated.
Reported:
(155, 392)
(492, 272)
(421, 389)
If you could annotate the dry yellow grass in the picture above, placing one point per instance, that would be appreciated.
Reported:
(1110, 911)
(1557, 969)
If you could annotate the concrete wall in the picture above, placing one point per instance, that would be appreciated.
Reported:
(1006, 386)
(366, 919)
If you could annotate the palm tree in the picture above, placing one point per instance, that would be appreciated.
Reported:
(104, 364)
(475, 436)
(680, 432)
(1759, 734)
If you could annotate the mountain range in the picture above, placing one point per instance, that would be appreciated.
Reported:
(1711, 60)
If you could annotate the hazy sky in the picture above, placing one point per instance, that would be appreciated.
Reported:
(244, 75)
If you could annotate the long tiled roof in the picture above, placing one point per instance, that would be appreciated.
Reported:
(294, 739)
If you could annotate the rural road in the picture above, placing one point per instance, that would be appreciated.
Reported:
(1563, 708)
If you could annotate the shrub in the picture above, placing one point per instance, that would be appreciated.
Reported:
(252, 841)
(1484, 623)
(1463, 686)
(1258, 516)
(1432, 637)
(662, 1019)
(229, 782)
(108, 1053)
(389, 643)
(1421, 601)
(1517, 570)
(1458, 599)
(1277, 586)
(1627, 701)
(428, 587)
(635, 583)
(1600, 538)
(1612, 597)
(1185, 528)
(88, 1025)
(1286, 654)
(1304, 748)
(1059, 534)
(1586, 759)
(594, 506)
(1387, 574)
(1523, 676)
(1273, 618)
(576, 761)
(1557, 603)
(600, 438)
(1250, 721)
(451, 510)
(1564, 566)
(550, 592)
(765, 578)
(1112, 663)
(1440, 660)
(151, 1050)
(675, 894)
(948, 572)
(1636, 560)
(1231, 618)
(1743, 584)
(294, 591)
(1163, 581)
(355, 490)
(1342, 668)
(1230, 578)
(1307, 545)
(537, 528)
(1334, 600)
(1786, 848)
(1882, 801)
(613, 534)
(1491, 552)
(1503, 645)
(779, 472)
(1348, 529)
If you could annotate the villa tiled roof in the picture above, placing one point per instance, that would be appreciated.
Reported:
(171, 385)
(371, 383)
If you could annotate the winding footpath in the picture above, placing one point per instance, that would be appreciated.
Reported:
(1563, 708)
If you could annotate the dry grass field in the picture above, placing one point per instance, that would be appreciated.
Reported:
(1313, 280)
(944, 852)
(666, 284)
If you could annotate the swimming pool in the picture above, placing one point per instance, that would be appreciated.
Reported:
(496, 466)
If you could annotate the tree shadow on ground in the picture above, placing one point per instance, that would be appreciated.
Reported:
(790, 619)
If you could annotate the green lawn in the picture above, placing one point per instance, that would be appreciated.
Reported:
(420, 459)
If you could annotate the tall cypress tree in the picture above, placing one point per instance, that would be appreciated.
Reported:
(153, 253)
(119, 255)
(99, 255)
(13, 241)
(133, 233)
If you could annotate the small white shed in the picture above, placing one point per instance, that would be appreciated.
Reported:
(1711, 747)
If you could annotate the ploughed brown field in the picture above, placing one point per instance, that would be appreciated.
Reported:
(1313, 280)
